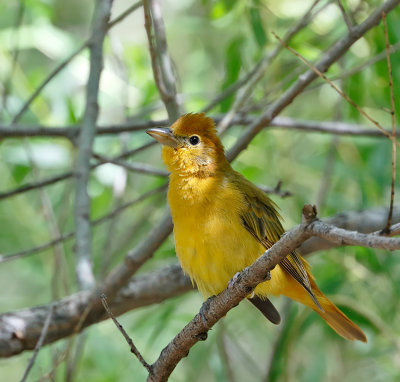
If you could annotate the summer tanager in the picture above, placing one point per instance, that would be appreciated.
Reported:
(223, 223)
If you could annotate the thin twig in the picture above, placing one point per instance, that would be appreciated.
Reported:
(159, 285)
(128, 339)
(393, 136)
(71, 132)
(67, 175)
(19, 330)
(345, 17)
(40, 342)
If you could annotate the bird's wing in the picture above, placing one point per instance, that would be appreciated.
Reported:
(262, 220)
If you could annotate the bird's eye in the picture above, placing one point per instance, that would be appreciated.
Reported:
(194, 140)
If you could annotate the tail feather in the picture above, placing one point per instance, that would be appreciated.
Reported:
(339, 322)
(332, 315)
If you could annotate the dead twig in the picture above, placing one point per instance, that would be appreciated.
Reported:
(128, 339)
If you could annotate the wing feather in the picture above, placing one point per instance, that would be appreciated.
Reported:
(261, 219)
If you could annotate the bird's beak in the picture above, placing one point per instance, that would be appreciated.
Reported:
(164, 136)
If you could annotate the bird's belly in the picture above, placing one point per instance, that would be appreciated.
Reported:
(213, 248)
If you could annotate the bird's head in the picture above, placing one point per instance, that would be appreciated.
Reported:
(191, 146)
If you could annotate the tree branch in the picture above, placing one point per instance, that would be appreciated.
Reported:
(20, 330)
(244, 283)
(83, 236)
(329, 57)
(71, 132)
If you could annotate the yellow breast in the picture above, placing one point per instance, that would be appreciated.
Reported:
(211, 243)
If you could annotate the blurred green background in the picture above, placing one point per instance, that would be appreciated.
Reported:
(212, 45)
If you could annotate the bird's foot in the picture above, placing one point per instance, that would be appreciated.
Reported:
(268, 276)
(233, 279)
(203, 310)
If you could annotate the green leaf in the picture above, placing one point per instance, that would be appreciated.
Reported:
(257, 26)
(20, 171)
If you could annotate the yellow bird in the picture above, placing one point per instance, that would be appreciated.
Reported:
(223, 223)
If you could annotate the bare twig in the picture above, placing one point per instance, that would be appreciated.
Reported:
(67, 175)
(393, 136)
(277, 190)
(40, 342)
(124, 14)
(20, 330)
(128, 339)
(344, 14)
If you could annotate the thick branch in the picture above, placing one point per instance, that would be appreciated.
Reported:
(20, 330)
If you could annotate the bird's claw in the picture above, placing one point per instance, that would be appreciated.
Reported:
(203, 309)
(268, 276)
(233, 279)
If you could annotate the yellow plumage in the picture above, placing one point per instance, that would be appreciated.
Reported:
(223, 223)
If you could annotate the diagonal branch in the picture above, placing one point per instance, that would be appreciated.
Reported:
(329, 57)
(244, 283)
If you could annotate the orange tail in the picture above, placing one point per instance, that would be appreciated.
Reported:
(337, 320)
(332, 315)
